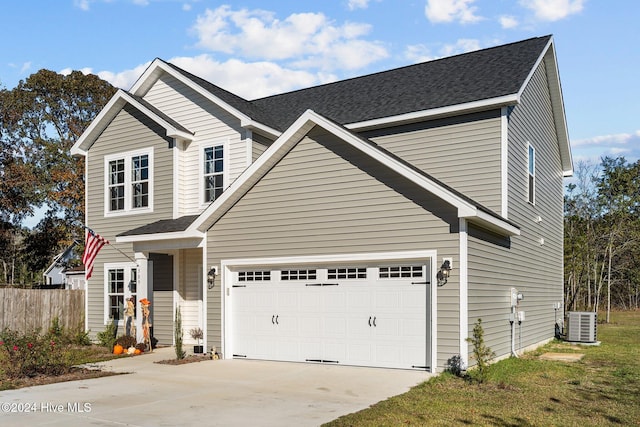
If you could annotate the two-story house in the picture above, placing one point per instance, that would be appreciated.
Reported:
(370, 221)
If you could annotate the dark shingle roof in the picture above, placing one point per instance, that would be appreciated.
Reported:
(473, 76)
(163, 226)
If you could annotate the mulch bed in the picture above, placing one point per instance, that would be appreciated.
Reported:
(188, 359)
(75, 374)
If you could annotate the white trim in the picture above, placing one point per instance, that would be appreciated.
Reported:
(127, 157)
(504, 162)
(249, 147)
(110, 111)
(227, 283)
(433, 113)
(531, 200)
(177, 166)
(205, 291)
(126, 266)
(292, 136)
(464, 294)
(203, 145)
(176, 235)
(151, 74)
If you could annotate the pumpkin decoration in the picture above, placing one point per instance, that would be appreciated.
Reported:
(118, 349)
(137, 351)
(131, 350)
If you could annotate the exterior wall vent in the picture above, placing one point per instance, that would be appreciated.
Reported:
(582, 326)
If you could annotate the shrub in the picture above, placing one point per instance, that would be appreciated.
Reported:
(141, 346)
(177, 335)
(30, 354)
(107, 338)
(481, 353)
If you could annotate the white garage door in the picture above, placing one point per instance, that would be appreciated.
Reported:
(352, 315)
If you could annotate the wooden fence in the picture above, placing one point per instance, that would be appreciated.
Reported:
(25, 310)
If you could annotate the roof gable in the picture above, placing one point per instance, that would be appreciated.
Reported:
(466, 207)
(111, 110)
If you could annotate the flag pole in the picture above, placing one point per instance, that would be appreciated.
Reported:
(109, 243)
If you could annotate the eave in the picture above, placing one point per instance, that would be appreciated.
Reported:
(111, 110)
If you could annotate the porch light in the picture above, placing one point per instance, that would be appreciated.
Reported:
(211, 277)
(443, 274)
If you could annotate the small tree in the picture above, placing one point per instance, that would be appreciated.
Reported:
(177, 335)
(481, 353)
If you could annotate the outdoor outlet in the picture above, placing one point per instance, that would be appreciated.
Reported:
(520, 316)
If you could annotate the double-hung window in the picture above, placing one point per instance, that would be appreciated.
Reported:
(213, 172)
(531, 174)
(121, 283)
(128, 182)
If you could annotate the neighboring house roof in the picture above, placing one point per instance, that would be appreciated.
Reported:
(113, 107)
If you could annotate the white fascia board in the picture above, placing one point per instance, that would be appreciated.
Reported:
(172, 131)
(254, 172)
(142, 85)
(437, 190)
(292, 135)
(335, 258)
(492, 223)
(557, 103)
(188, 234)
(433, 113)
(109, 112)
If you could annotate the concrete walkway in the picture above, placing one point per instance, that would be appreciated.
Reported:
(209, 393)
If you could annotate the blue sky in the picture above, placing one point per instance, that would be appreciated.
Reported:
(255, 48)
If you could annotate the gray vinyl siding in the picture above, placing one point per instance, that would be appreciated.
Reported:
(163, 314)
(314, 202)
(130, 130)
(463, 152)
(259, 145)
(533, 268)
(210, 125)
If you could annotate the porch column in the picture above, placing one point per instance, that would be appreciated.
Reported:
(143, 289)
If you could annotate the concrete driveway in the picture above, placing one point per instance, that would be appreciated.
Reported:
(209, 393)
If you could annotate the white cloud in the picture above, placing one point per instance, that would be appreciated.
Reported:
(186, 7)
(553, 10)
(358, 4)
(507, 21)
(418, 53)
(308, 39)
(606, 140)
(82, 4)
(421, 53)
(123, 79)
(250, 80)
(462, 11)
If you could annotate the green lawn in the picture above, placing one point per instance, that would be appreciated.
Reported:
(601, 389)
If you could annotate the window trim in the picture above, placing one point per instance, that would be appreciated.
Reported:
(531, 175)
(225, 168)
(127, 268)
(128, 183)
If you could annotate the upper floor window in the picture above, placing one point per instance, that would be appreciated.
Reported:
(531, 174)
(128, 182)
(213, 171)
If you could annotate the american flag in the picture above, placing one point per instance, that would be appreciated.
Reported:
(94, 243)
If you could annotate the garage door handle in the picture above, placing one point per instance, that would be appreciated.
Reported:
(272, 317)
(369, 321)
(277, 319)
(374, 322)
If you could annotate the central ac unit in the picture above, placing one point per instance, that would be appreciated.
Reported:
(582, 326)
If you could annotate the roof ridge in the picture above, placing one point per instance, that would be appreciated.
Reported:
(403, 67)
